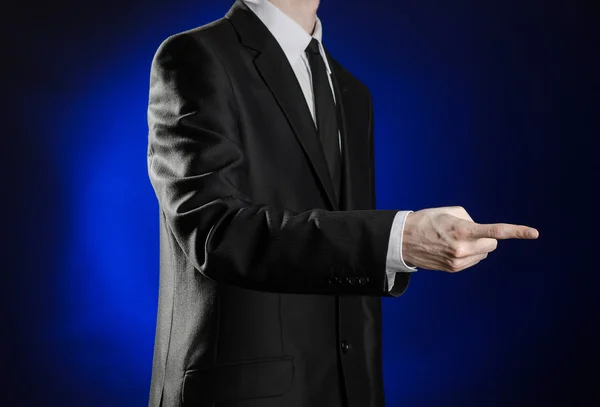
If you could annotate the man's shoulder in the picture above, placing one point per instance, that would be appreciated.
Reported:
(218, 34)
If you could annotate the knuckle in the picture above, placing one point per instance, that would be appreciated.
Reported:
(454, 250)
(453, 233)
(495, 231)
(453, 265)
(459, 251)
(461, 232)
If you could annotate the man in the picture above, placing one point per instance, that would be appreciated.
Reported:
(273, 259)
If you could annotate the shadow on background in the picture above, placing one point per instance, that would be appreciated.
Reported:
(476, 104)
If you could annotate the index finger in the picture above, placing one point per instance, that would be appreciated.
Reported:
(503, 231)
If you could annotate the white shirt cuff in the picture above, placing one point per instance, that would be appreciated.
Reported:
(394, 261)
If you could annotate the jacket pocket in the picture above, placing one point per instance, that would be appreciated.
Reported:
(268, 377)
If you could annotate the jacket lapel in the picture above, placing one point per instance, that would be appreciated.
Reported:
(279, 76)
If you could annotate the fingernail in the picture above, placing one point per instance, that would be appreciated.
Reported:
(532, 233)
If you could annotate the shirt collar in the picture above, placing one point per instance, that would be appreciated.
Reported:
(291, 37)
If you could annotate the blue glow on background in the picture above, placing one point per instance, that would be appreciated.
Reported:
(464, 116)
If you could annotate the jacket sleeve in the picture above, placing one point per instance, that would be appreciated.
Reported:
(195, 159)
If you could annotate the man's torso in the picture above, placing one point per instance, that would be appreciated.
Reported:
(221, 344)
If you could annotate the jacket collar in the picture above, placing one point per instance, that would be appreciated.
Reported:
(292, 38)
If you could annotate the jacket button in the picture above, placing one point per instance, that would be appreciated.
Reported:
(345, 345)
(362, 280)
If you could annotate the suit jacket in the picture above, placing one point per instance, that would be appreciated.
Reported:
(269, 286)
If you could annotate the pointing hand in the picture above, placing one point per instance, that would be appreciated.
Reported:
(447, 239)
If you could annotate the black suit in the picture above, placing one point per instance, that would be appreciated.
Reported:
(251, 236)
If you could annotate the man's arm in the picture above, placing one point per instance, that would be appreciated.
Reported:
(195, 161)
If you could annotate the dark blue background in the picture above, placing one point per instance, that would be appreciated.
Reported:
(484, 104)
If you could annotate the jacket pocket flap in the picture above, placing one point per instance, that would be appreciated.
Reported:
(237, 381)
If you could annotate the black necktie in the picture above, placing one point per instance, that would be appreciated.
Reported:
(327, 123)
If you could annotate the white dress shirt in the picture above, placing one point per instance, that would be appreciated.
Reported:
(293, 40)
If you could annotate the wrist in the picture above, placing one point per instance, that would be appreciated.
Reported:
(407, 231)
